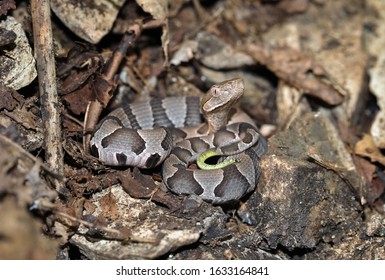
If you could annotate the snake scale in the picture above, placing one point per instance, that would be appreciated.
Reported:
(181, 130)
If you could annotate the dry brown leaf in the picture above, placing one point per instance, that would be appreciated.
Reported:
(367, 148)
(108, 206)
(10, 98)
(298, 70)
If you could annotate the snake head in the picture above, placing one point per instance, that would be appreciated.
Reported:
(222, 96)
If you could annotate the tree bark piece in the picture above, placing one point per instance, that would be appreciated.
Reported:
(50, 104)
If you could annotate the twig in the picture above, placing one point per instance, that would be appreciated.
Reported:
(73, 119)
(50, 104)
(114, 233)
(104, 86)
(202, 14)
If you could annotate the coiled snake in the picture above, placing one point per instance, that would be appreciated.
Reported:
(171, 129)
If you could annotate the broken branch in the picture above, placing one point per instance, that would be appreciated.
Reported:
(50, 103)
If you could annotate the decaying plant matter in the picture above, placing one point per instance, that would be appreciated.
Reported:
(313, 73)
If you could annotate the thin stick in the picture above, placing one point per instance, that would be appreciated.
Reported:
(115, 234)
(104, 95)
(95, 107)
(202, 14)
(50, 104)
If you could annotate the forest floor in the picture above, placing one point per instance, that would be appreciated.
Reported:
(314, 74)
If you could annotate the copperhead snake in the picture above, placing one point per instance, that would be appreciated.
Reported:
(172, 130)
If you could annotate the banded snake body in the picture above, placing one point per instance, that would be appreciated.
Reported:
(171, 130)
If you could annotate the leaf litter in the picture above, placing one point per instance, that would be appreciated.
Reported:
(306, 66)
